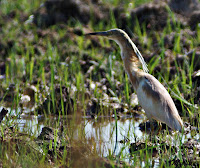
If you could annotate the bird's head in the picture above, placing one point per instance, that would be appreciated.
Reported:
(128, 48)
(113, 34)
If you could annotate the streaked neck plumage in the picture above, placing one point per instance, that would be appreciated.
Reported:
(132, 59)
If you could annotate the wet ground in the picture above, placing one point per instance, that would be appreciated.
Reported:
(127, 136)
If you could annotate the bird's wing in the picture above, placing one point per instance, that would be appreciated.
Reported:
(157, 92)
(165, 109)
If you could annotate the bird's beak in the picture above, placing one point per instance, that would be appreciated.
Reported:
(104, 33)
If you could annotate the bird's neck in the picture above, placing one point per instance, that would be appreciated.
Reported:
(134, 73)
(128, 53)
(131, 61)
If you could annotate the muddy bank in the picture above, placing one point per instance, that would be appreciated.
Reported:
(53, 12)
(154, 15)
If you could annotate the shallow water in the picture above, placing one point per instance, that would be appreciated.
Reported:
(112, 133)
(109, 135)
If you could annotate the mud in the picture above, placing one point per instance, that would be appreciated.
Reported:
(3, 114)
(194, 20)
(155, 15)
(54, 11)
(188, 159)
(61, 104)
(186, 149)
(185, 8)
(146, 127)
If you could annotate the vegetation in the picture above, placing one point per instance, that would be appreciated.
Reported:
(56, 78)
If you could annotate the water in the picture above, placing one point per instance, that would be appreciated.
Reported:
(107, 133)
(112, 133)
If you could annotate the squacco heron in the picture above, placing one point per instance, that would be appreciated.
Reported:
(152, 95)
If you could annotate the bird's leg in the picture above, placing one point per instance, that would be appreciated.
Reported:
(152, 136)
(157, 130)
(159, 127)
(151, 122)
(152, 126)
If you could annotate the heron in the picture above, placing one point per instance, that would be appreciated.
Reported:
(152, 95)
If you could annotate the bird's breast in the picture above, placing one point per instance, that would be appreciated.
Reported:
(145, 100)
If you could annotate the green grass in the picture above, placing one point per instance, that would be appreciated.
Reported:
(8, 6)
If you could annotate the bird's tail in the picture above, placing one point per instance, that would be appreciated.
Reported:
(178, 123)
